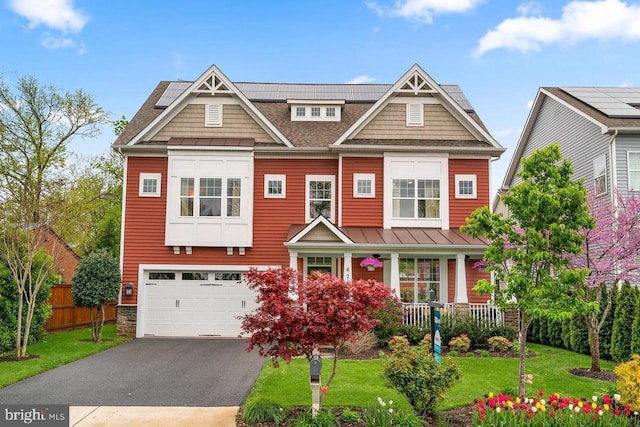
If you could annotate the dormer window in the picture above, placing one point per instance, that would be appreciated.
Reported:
(315, 110)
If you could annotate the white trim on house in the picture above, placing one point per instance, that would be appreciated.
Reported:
(157, 177)
(357, 178)
(469, 178)
(268, 178)
(630, 188)
(307, 208)
(313, 224)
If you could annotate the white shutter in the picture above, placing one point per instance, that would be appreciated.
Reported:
(415, 116)
(213, 115)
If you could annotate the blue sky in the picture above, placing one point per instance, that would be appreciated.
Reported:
(498, 51)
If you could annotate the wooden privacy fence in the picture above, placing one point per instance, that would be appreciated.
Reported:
(65, 316)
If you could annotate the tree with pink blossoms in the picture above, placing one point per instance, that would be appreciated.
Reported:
(609, 252)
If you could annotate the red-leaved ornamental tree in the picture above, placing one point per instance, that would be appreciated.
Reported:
(609, 252)
(327, 312)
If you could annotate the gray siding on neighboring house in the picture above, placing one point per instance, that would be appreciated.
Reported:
(580, 139)
(625, 143)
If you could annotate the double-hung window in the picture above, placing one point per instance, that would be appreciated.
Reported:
(210, 200)
(600, 174)
(416, 198)
(633, 164)
(418, 276)
(320, 196)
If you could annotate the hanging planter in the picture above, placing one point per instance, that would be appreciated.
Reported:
(371, 263)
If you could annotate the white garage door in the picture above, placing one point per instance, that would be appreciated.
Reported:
(195, 303)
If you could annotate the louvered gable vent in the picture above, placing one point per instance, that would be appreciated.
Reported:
(213, 115)
(415, 115)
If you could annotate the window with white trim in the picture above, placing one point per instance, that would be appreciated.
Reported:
(418, 276)
(210, 199)
(466, 186)
(301, 111)
(149, 185)
(275, 186)
(415, 114)
(416, 198)
(320, 196)
(320, 264)
(213, 115)
(364, 185)
(600, 174)
(330, 112)
(633, 166)
(315, 111)
(311, 112)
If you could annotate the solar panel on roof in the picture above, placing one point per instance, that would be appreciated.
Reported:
(284, 91)
(614, 102)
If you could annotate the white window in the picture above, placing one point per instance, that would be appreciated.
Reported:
(364, 185)
(149, 185)
(417, 277)
(466, 187)
(210, 200)
(600, 174)
(321, 264)
(633, 164)
(331, 112)
(415, 115)
(301, 111)
(416, 198)
(320, 197)
(213, 115)
(275, 186)
(315, 111)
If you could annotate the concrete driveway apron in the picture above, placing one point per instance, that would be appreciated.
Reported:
(148, 372)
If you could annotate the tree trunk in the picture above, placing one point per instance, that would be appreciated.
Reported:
(93, 324)
(31, 306)
(19, 326)
(594, 342)
(99, 324)
(524, 323)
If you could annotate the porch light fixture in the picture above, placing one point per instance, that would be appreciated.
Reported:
(128, 290)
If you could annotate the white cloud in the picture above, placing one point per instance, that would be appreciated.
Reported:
(580, 20)
(56, 14)
(529, 9)
(54, 43)
(503, 132)
(423, 10)
(361, 80)
(529, 104)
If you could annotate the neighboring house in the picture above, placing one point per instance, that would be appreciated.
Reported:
(224, 176)
(598, 129)
(65, 260)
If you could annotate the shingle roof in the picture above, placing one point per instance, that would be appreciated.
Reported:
(612, 122)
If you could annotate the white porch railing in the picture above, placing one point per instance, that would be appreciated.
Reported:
(417, 314)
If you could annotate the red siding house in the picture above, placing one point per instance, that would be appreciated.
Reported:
(225, 176)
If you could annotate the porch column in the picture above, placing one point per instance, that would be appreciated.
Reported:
(444, 280)
(346, 267)
(293, 264)
(461, 281)
(395, 274)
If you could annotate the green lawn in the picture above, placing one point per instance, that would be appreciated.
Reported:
(360, 383)
(55, 350)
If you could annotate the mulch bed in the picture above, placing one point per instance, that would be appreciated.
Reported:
(594, 375)
(13, 358)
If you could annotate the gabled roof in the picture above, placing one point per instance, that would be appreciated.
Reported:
(417, 81)
(212, 81)
(590, 103)
(320, 222)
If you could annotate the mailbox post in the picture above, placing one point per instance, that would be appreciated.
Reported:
(315, 380)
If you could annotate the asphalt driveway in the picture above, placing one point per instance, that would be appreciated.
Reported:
(148, 372)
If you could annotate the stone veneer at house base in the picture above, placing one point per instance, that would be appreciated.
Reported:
(126, 320)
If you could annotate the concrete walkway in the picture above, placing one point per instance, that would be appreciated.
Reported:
(152, 416)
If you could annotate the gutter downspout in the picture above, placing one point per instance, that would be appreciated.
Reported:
(124, 198)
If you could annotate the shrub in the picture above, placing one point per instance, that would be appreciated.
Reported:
(323, 418)
(362, 343)
(389, 320)
(414, 372)
(506, 331)
(621, 334)
(460, 343)
(426, 342)
(533, 333)
(501, 344)
(415, 334)
(482, 353)
(263, 412)
(579, 335)
(628, 382)
(349, 416)
(635, 332)
(565, 335)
